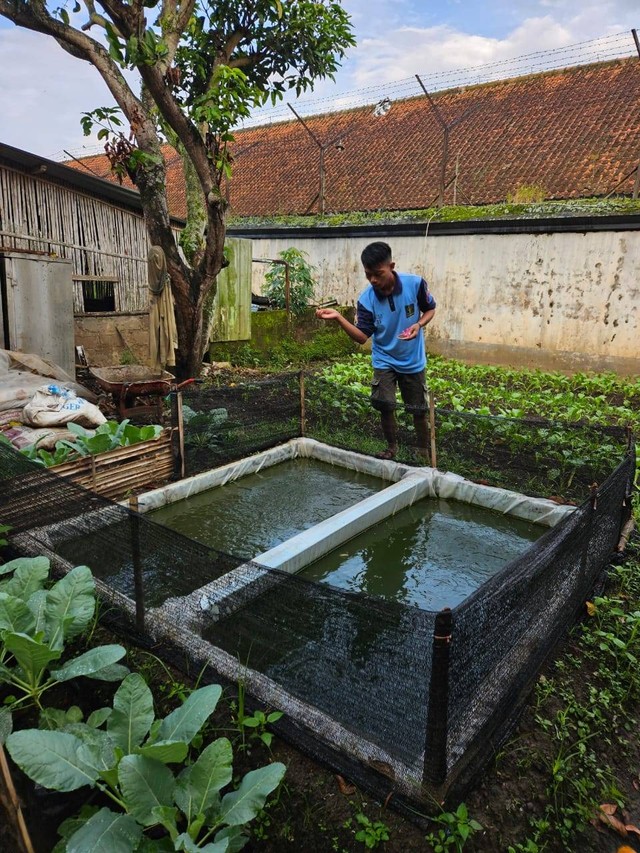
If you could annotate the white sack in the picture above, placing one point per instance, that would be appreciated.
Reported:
(55, 405)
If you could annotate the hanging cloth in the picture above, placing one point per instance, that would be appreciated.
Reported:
(163, 334)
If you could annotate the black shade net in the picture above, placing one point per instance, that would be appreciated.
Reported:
(436, 692)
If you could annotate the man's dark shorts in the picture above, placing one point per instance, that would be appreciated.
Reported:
(413, 390)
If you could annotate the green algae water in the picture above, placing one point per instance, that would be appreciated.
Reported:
(259, 511)
(430, 555)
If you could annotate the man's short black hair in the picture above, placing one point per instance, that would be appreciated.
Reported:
(375, 254)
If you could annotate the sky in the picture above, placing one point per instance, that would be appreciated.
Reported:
(45, 91)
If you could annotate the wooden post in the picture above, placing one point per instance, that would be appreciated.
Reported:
(177, 422)
(435, 757)
(432, 429)
(14, 803)
(303, 413)
(138, 583)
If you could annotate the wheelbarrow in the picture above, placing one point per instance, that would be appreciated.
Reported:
(128, 382)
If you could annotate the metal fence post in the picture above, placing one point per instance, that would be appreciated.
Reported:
(435, 757)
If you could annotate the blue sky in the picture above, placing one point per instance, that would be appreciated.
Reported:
(45, 91)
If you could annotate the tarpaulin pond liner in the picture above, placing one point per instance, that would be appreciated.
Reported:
(398, 698)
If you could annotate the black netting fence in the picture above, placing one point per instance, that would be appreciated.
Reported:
(223, 423)
(398, 697)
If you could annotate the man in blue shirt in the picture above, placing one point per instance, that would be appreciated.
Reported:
(393, 310)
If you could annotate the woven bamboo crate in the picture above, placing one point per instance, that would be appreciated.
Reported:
(126, 469)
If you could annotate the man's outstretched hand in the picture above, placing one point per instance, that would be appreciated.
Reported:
(327, 314)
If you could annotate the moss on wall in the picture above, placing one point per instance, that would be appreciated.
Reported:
(278, 341)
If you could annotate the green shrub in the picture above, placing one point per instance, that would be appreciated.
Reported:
(301, 281)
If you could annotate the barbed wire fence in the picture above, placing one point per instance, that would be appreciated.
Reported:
(431, 139)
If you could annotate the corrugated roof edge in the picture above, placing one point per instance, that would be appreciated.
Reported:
(33, 163)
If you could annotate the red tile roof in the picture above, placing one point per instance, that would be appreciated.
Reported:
(574, 132)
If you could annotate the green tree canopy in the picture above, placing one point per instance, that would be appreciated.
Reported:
(202, 66)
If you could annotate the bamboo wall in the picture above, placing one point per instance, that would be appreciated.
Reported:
(102, 241)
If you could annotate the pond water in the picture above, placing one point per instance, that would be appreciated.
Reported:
(259, 511)
(430, 555)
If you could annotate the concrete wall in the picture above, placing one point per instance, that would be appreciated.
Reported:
(557, 301)
(105, 337)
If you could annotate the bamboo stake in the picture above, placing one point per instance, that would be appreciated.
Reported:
(15, 802)
(303, 419)
(432, 429)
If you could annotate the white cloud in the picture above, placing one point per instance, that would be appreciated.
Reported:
(45, 90)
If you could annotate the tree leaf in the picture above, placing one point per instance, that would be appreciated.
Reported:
(50, 759)
(185, 722)
(201, 783)
(106, 832)
(132, 713)
(31, 655)
(145, 784)
(70, 605)
(241, 806)
(90, 662)
(15, 615)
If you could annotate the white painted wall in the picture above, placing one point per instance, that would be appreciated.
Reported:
(564, 301)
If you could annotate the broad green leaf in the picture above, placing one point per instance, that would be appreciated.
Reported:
(6, 724)
(113, 672)
(145, 784)
(167, 816)
(184, 842)
(70, 605)
(186, 721)
(236, 837)
(15, 615)
(132, 713)
(89, 662)
(166, 751)
(200, 783)
(106, 832)
(71, 825)
(32, 656)
(27, 579)
(241, 806)
(100, 756)
(50, 759)
(97, 718)
(54, 718)
(24, 562)
(36, 604)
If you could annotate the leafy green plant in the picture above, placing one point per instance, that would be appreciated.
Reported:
(204, 429)
(301, 281)
(36, 622)
(125, 752)
(454, 830)
(256, 723)
(107, 436)
(373, 833)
